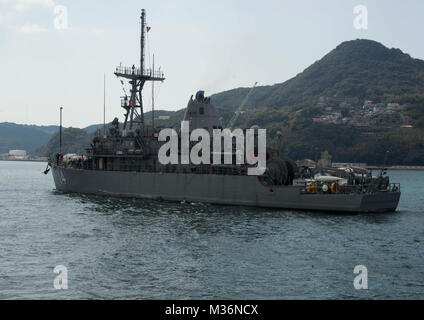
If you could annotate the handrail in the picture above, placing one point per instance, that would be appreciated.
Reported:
(137, 72)
(349, 189)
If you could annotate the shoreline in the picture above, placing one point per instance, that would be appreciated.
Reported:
(397, 168)
(392, 168)
(45, 161)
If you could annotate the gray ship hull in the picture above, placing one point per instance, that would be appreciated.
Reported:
(215, 189)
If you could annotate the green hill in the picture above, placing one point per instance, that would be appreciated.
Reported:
(73, 141)
(360, 68)
(355, 71)
(23, 137)
(30, 137)
(338, 86)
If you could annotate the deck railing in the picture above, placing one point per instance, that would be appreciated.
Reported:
(307, 188)
(132, 71)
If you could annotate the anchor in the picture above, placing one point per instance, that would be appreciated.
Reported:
(47, 170)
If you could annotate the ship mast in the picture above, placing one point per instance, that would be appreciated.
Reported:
(137, 77)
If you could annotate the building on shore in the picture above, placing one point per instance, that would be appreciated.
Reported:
(349, 165)
(18, 155)
(306, 163)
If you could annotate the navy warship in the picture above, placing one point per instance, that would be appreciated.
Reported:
(124, 163)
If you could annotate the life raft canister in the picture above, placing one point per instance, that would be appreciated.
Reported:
(325, 188)
(334, 188)
(312, 188)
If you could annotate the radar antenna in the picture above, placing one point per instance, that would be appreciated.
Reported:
(137, 77)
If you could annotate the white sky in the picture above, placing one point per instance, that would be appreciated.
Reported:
(200, 44)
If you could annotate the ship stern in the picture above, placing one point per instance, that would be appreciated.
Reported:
(380, 202)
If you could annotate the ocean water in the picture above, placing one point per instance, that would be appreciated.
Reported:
(136, 249)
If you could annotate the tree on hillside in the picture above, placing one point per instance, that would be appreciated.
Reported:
(73, 141)
(325, 160)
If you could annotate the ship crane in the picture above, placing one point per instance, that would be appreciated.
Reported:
(137, 78)
(241, 108)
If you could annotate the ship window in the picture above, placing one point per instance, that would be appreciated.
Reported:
(202, 111)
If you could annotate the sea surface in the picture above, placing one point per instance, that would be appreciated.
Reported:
(136, 249)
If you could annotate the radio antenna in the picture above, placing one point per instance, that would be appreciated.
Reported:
(104, 106)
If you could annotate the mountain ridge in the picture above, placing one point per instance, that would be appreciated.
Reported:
(335, 74)
(29, 137)
(359, 101)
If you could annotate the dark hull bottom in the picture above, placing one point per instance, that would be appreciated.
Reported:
(215, 189)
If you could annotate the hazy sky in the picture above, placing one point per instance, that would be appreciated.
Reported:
(211, 45)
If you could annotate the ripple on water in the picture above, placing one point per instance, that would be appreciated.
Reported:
(141, 249)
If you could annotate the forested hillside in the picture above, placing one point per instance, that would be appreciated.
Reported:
(362, 102)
